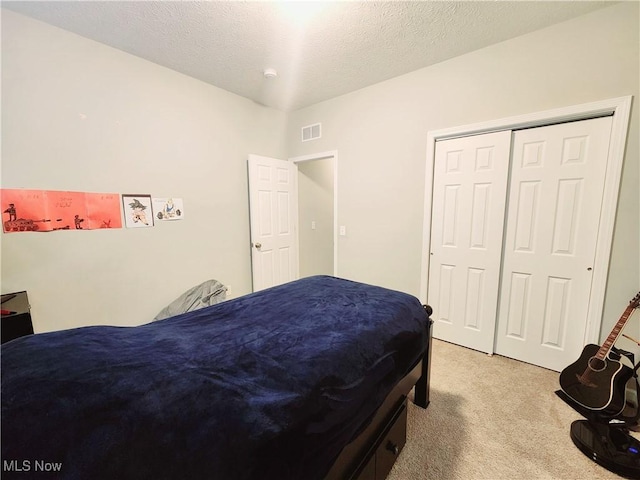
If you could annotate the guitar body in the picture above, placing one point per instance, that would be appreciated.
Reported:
(603, 390)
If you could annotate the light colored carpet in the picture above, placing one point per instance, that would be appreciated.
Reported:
(494, 418)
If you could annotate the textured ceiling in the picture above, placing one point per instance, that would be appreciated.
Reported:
(343, 47)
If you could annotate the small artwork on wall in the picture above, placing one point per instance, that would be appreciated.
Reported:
(138, 212)
(103, 210)
(168, 208)
(25, 211)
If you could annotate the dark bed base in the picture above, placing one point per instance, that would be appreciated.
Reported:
(372, 454)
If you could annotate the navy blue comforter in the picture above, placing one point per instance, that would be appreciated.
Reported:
(271, 385)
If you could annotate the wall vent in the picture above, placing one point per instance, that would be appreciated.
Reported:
(311, 132)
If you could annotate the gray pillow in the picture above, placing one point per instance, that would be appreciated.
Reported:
(204, 295)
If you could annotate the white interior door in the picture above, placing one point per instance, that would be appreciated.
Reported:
(469, 195)
(273, 207)
(557, 181)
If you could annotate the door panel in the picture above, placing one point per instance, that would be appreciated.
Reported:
(556, 189)
(273, 211)
(470, 182)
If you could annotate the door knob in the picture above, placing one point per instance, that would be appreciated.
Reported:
(258, 245)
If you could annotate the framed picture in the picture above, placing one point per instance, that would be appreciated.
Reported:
(138, 212)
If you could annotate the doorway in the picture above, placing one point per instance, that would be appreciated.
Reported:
(317, 218)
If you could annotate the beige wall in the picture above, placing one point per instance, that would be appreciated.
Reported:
(382, 159)
(147, 130)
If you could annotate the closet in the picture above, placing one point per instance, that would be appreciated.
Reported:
(515, 221)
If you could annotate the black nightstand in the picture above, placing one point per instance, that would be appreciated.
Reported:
(16, 316)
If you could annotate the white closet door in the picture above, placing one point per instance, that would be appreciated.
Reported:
(469, 194)
(556, 187)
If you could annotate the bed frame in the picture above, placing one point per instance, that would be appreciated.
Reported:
(371, 455)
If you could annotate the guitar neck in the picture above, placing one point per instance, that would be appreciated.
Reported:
(613, 336)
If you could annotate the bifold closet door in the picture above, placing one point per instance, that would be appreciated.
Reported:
(469, 195)
(556, 188)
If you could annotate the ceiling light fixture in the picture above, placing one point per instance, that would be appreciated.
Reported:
(270, 73)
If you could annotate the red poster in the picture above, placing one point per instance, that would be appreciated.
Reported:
(103, 210)
(47, 210)
(24, 211)
(67, 210)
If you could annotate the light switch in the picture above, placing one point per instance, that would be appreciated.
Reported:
(313, 224)
(343, 230)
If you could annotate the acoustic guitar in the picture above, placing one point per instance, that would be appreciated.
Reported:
(597, 380)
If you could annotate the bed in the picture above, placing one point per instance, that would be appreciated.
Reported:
(306, 380)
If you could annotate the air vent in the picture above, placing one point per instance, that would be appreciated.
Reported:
(311, 132)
